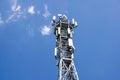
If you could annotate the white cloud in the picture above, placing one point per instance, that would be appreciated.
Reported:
(46, 30)
(31, 10)
(47, 13)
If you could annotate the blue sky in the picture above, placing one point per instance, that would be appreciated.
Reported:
(27, 41)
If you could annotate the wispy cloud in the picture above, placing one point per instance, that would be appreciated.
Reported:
(38, 12)
(30, 31)
(1, 21)
(18, 8)
(47, 13)
(10, 18)
(16, 12)
(31, 10)
(46, 30)
(14, 5)
(15, 15)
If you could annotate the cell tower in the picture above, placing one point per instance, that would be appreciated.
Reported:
(64, 50)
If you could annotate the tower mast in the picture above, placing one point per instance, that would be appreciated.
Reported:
(64, 49)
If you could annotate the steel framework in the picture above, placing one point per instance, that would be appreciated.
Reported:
(64, 49)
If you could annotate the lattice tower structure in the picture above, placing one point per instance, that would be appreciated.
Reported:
(64, 50)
